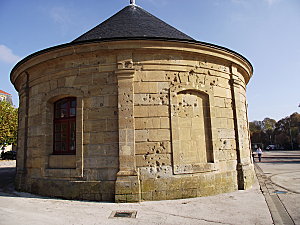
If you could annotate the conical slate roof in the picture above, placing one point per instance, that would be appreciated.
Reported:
(133, 22)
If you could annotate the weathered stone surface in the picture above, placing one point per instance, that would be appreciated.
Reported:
(155, 120)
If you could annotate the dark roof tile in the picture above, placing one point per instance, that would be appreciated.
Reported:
(133, 22)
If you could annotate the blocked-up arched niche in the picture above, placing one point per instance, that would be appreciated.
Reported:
(191, 131)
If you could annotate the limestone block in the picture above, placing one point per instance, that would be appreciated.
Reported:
(95, 125)
(103, 174)
(152, 147)
(152, 135)
(62, 161)
(174, 184)
(53, 83)
(156, 172)
(174, 194)
(111, 125)
(94, 102)
(225, 144)
(146, 87)
(101, 162)
(34, 152)
(34, 108)
(151, 99)
(161, 184)
(69, 81)
(82, 80)
(35, 141)
(133, 198)
(36, 162)
(222, 92)
(107, 67)
(106, 112)
(226, 133)
(189, 193)
(35, 172)
(158, 195)
(111, 100)
(164, 122)
(146, 196)
(101, 150)
(158, 111)
(141, 135)
(151, 123)
(153, 160)
(102, 90)
(222, 102)
(110, 137)
(153, 75)
(96, 138)
(159, 135)
(148, 185)
(99, 78)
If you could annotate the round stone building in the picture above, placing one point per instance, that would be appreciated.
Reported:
(133, 110)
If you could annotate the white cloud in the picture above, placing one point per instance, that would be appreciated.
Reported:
(60, 15)
(272, 2)
(7, 56)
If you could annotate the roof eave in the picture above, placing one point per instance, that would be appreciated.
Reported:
(125, 39)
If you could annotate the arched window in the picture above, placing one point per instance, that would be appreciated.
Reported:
(65, 126)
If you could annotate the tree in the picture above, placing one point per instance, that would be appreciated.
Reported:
(8, 123)
(268, 128)
(262, 131)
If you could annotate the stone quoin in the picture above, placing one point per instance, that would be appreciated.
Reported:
(133, 110)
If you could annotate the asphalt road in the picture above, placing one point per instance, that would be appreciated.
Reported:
(279, 176)
(7, 176)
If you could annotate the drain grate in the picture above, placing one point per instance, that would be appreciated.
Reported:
(123, 214)
(280, 192)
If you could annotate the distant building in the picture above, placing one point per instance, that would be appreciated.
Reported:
(4, 96)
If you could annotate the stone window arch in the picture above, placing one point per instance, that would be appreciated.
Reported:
(62, 165)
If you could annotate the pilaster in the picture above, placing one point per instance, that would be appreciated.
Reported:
(244, 166)
(127, 184)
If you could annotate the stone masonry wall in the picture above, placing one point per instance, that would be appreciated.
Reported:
(181, 130)
(91, 174)
(158, 78)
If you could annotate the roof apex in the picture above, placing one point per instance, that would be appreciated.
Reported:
(133, 22)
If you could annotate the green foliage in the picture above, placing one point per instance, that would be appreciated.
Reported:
(8, 123)
(284, 133)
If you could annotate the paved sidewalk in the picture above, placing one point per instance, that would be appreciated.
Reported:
(240, 207)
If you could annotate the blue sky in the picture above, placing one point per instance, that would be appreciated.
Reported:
(266, 32)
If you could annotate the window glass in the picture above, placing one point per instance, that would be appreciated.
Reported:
(65, 126)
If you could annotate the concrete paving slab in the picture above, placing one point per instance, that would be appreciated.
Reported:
(240, 207)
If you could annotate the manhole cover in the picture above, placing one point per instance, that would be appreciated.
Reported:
(280, 192)
(123, 214)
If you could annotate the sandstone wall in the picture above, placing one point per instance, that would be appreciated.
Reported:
(155, 120)
(91, 173)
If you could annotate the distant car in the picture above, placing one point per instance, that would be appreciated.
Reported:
(9, 155)
(271, 147)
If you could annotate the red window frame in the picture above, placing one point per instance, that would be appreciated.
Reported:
(64, 127)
